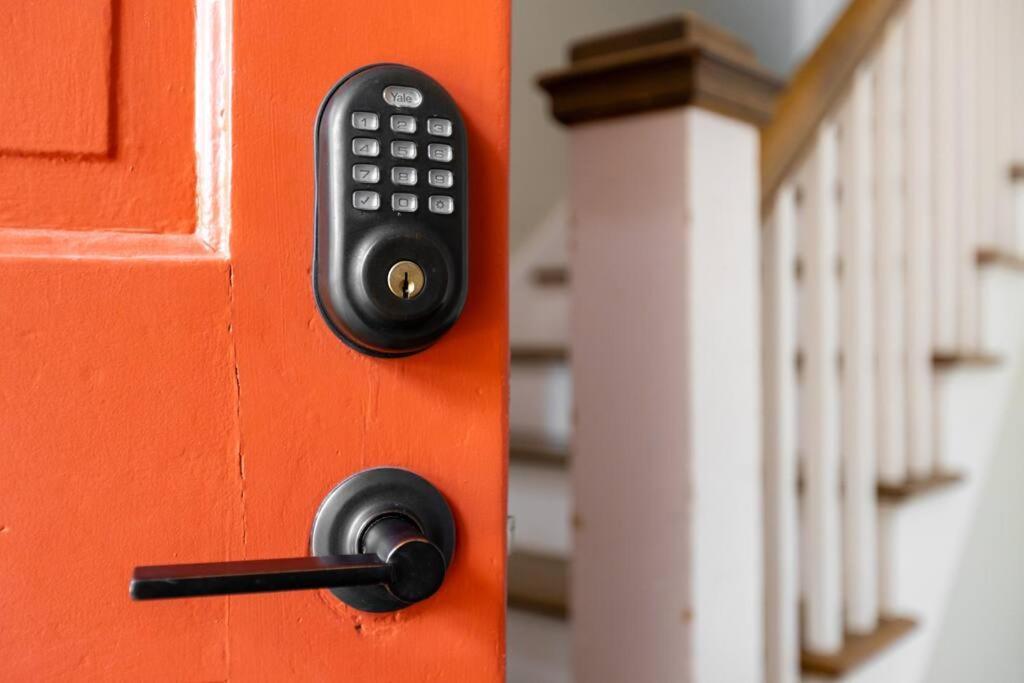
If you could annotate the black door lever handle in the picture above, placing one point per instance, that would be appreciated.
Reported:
(385, 517)
(398, 557)
(256, 576)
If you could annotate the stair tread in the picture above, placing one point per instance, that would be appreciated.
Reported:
(534, 450)
(538, 583)
(539, 355)
(944, 360)
(857, 649)
(914, 488)
(996, 256)
(557, 456)
(550, 276)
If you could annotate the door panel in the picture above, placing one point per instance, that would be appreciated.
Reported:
(96, 129)
(167, 399)
(117, 443)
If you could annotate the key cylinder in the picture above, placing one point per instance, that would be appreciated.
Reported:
(405, 280)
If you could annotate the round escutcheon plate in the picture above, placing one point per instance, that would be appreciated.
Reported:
(352, 505)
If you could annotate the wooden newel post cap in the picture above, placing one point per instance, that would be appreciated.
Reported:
(679, 61)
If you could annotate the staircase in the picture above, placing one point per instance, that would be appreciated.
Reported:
(892, 318)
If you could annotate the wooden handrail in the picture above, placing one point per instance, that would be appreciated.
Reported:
(816, 88)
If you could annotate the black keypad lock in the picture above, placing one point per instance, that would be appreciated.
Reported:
(390, 256)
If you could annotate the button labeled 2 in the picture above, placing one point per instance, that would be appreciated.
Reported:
(378, 132)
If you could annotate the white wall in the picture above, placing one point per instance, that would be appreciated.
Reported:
(983, 633)
(781, 31)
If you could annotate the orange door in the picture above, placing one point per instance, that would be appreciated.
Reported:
(168, 391)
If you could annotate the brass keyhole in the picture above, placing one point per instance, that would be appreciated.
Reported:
(405, 280)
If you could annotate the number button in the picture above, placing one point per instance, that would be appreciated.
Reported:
(440, 127)
(366, 173)
(404, 202)
(365, 120)
(439, 152)
(366, 200)
(400, 123)
(403, 175)
(403, 149)
(439, 177)
(440, 203)
(365, 147)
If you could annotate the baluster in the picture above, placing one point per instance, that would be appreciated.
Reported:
(819, 399)
(967, 176)
(944, 135)
(985, 115)
(860, 523)
(1016, 236)
(782, 644)
(919, 226)
(890, 225)
(1006, 85)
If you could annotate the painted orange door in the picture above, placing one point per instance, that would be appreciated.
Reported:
(168, 391)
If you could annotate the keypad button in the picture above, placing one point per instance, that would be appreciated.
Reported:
(403, 96)
(403, 175)
(404, 202)
(365, 120)
(440, 203)
(366, 173)
(400, 123)
(439, 152)
(365, 147)
(367, 200)
(439, 177)
(440, 127)
(403, 149)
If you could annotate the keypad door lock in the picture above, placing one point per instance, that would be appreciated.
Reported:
(390, 259)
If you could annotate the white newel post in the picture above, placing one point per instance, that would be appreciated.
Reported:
(667, 579)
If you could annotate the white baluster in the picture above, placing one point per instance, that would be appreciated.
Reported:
(1006, 86)
(1016, 237)
(822, 571)
(780, 470)
(890, 253)
(945, 179)
(856, 218)
(985, 115)
(967, 175)
(919, 226)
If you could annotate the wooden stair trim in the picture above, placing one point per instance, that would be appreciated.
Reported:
(816, 88)
(941, 360)
(899, 494)
(857, 650)
(948, 360)
(540, 452)
(678, 61)
(538, 583)
(550, 276)
(539, 355)
(556, 456)
(994, 256)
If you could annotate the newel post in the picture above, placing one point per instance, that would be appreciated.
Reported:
(665, 352)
